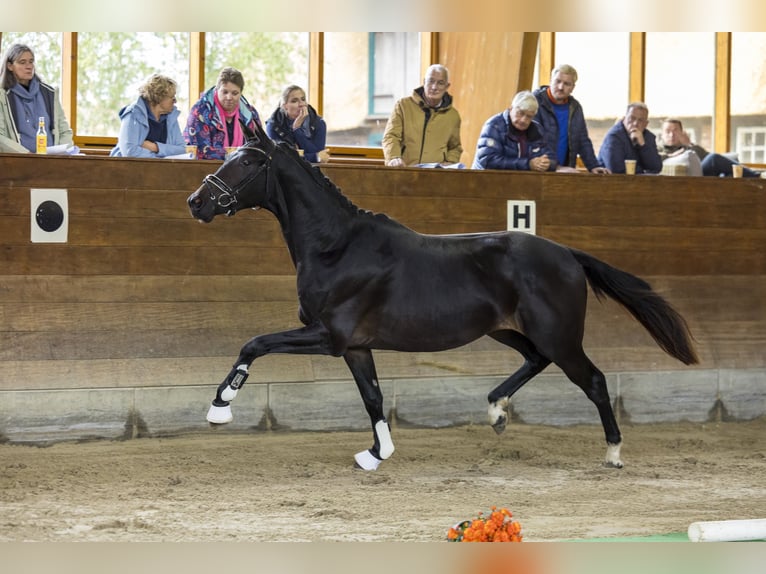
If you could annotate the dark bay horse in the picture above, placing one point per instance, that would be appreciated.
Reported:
(367, 282)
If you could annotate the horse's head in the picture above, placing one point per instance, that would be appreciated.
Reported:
(240, 183)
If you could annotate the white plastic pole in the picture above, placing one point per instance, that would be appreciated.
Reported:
(728, 530)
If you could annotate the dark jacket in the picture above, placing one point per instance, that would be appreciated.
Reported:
(617, 147)
(499, 146)
(577, 132)
(279, 128)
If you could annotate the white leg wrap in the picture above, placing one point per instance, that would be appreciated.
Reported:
(497, 410)
(613, 455)
(219, 415)
(366, 460)
(384, 439)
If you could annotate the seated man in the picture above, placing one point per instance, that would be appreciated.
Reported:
(513, 140)
(629, 139)
(674, 142)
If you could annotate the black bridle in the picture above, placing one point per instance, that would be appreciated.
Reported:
(228, 197)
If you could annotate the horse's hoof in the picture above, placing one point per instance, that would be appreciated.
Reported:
(219, 415)
(366, 460)
(499, 424)
(612, 458)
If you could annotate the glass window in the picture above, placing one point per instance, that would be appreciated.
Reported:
(269, 62)
(601, 60)
(46, 47)
(748, 96)
(680, 82)
(364, 75)
(112, 66)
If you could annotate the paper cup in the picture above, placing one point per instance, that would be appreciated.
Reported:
(192, 151)
(630, 167)
(736, 170)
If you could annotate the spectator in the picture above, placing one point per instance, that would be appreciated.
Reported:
(149, 126)
(424, 127)
(674, 141)
(214, 122)
(513, 140)
(563, 122)
(629, 139)
(24, 98)
(297, 123)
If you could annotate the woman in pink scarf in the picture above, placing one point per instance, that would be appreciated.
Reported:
(214, 121)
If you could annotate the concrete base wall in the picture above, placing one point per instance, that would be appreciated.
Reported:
(45, 416)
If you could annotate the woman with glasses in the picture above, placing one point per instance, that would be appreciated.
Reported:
(24, 99)
(149, 125)
(424, 128)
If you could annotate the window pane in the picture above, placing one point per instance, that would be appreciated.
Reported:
(364, 75)
(748, 96)
(601, 60)
(680, 82)
(269, 62)
(46, 47)
(112, 66)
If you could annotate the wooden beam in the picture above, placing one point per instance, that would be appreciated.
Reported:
(547, 57)
(637, 66)
(196, 65)
(69, 78)
(528, 57)
(316, 71)
(721, 124)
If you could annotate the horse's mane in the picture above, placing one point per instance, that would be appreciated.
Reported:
(327, 185)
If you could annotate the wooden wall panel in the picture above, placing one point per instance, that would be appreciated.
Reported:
(143, 295)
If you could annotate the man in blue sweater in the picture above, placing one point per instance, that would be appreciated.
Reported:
(563, 121)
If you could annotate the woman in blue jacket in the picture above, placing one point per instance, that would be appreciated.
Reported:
(150, 125)
(512, 140)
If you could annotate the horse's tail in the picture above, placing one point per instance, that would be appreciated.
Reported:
(666, 326)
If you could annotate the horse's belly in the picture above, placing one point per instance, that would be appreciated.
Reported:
(421, 332)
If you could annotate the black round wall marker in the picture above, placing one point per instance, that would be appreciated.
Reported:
(49, 216)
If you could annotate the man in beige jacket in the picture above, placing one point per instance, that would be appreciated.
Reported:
(424, 128)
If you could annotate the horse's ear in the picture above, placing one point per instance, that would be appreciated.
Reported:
(249, 134)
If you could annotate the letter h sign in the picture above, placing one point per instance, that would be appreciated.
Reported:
(521, 216)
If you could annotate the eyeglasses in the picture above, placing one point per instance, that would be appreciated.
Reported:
(438, 83)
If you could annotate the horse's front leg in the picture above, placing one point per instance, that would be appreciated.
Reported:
(310, 340)
(362, 367)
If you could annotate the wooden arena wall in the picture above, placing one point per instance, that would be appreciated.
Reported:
(143, 300)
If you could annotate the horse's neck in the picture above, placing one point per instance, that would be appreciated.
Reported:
(313, 218)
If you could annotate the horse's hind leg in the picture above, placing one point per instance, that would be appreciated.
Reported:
(583, 373)
(362, 367)
(500, 396)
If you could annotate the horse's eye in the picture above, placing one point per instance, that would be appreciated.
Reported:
(245, 162)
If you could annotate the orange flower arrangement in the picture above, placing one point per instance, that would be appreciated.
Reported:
(499, 526)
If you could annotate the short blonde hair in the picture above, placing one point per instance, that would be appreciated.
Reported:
(525, 101)
(564, 69)
(157, 87)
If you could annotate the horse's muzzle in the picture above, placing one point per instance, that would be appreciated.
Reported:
(199, 205)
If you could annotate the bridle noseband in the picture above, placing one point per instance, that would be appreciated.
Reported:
(228, 197)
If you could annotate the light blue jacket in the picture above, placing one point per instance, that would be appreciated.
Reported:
(135, 128)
